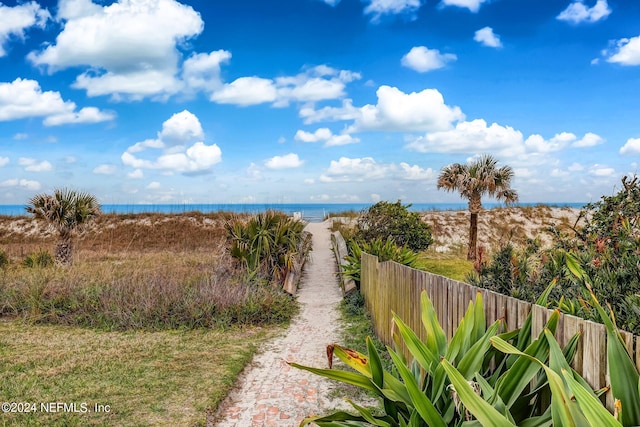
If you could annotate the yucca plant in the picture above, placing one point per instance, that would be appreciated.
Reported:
(426, 391)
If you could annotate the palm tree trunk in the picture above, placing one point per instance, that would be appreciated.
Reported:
(64, 251)
(473, 236)
(475, 205)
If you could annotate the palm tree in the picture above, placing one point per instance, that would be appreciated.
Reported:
(66, 210)
(473, 180)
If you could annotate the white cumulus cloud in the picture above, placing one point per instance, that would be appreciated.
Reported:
(588, 140)
(314, 84)
(472, 5)
(626, 52)
(136, 174)
(129, 47)
(201, 71)
(487, 37)
(423, 59)
(4, 161)
(405, 112)
(22, 183)
(84, 115)
(325, 135)
(631, 147)
(246, 91)
(24, 98)
(180, 145)
(395, 111)
(578, 12)
(15, 20)
(469, 137)
(33, 165)
(366, 169)
(288, 161)
(180, 129)
(602, 171)
(536, 143)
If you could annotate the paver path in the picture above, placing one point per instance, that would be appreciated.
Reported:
(270, 392)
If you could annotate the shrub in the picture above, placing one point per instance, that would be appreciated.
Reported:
(269, 244)
(4, 259)
(393, 220)
(41, 259)
(607, 248)
(385, 250)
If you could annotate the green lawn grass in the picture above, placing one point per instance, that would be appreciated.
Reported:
(145, 378)
(454, 268)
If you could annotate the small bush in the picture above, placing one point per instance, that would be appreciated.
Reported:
(393, 220)
(40, 259)
(4, 259)
(385, 250)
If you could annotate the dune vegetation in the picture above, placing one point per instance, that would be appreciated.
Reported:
(153, 318)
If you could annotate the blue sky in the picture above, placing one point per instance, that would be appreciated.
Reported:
(303, 101)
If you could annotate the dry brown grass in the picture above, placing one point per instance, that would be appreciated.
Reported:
(146, 271)
(497, 226)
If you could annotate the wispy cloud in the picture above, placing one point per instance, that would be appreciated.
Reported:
(378, 8)
(577, 12)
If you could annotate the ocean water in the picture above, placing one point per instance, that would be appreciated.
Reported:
(312, 212)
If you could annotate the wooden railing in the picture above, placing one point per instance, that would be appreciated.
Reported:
(391, 287)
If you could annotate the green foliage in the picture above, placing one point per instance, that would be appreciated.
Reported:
(607, 248)
(385, 250)
(40, 259)
(269, 244)
(394, 220)
(463, 381)
(478, 178)
(66, 210)
(4, 259)
(456, 269)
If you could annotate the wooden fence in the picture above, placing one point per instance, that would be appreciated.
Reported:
(391, 287)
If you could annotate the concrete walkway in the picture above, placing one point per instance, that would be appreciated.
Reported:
(270, 392)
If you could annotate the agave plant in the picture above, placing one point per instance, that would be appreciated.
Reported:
(430, 391)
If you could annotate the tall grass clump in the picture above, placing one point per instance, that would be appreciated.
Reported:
(162, 291)
(41, 259)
